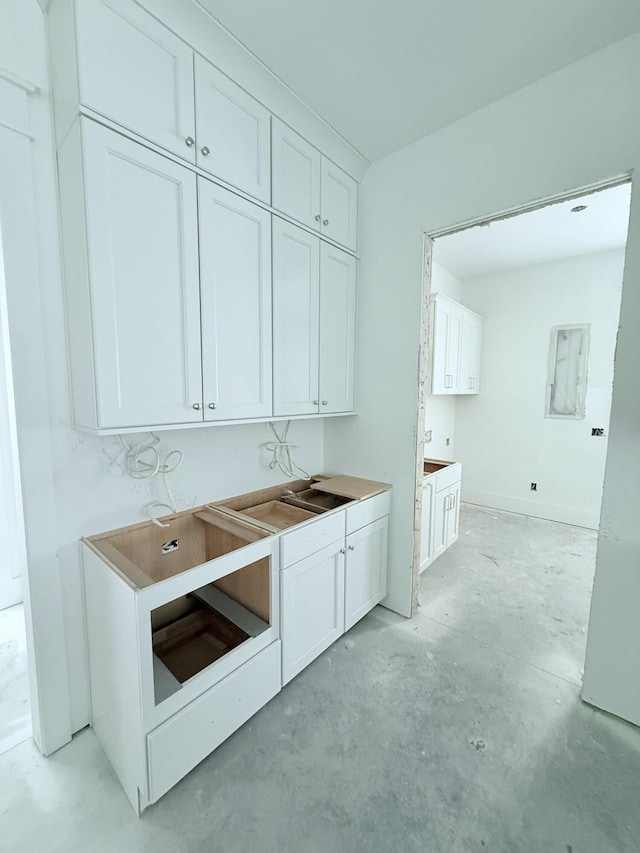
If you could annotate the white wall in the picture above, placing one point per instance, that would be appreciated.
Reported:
(440, 410)
(502, 437)
(570, 129)
(71, 488)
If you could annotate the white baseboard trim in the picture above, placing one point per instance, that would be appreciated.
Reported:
(550, 512)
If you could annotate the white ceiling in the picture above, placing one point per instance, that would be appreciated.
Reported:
(385, 74)
(540, 236)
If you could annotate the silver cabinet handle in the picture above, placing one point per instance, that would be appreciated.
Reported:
(205, 151)
(212, 405)
(190, 142)
(316, 402)
(342, 551)
(351, 547)
(197, 405)
(325, 403)
(318, 218)
(325, 221)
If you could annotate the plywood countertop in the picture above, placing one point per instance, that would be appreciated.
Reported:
(351, 487)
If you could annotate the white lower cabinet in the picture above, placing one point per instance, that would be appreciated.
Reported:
(440, 510)
(312, 594)
(327, 591)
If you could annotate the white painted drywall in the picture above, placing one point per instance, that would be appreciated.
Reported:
(70, 486)
(502, 437)
(568, 130)
(440, 411)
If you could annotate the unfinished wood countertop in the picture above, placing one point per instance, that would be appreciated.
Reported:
(351, 487)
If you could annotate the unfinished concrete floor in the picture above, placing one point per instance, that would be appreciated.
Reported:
(448, 733)
(15, 716)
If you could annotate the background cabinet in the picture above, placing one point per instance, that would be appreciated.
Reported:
(235, 272)
(456, 334)
(310, 188)
(314, 304)
(440, 509)
(132, 284)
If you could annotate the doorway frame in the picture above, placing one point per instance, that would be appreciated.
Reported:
(425, 333)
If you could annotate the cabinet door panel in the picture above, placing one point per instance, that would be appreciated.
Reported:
(143, 269)
(296, 175)
(453, 514)
(454, 341)
(312, 608)
(337, 329)
(135, 71)
(296, 275)
(475, 348)
(366, 570)
(235, 270)
(339, 198)
(235, 129)
(440, 522)
(440, 317)
(426, 527)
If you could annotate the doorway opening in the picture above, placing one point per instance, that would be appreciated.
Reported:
(15, 711)
(520, 317)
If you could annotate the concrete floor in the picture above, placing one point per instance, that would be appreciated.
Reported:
(15, 716)
(460, 730)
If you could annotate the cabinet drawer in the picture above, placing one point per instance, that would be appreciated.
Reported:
(366, 511)
(448, 476)
(178, 745)
(312, 537)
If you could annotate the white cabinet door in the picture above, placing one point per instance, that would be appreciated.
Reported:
(296, 280)
(143, 270)
(312, 607)
(426, 527)
(366, 570)
(337, 329)
(440, 520)
(135, 71)
(470, 353)
(339, 205)
(446, 346)
(295, 169)
(453, 514)
(233, 132)
(235, 272)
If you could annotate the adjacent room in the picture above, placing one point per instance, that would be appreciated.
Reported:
(524, 316)
(221, 444)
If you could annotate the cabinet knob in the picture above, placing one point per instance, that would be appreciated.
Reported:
(318, 218)
(316, 402)
(197, 405)
(351, 547)
(325, 403)
(212, 405)
(190, 142)
(342, 551)
(205, 151)
(325, 221)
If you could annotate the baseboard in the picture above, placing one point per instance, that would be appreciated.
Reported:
(549, 512)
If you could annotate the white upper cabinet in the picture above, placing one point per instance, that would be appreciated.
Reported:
(134, 71)
(296, 319)
(311, 189)
(132, 287)
(296, 175)
(337, 330)
(314, 323)
(235, 271)
(233, 132)
(456, 342)
(339, 205)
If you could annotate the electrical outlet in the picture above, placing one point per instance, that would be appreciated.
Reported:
(170, 546)
(428, 436)
(534, 487)
(597, 431)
